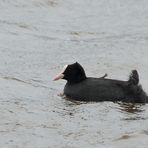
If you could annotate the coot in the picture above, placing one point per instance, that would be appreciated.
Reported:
(82, 88)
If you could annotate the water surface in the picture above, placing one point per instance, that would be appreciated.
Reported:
(38, 37)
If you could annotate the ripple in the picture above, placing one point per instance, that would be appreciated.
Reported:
(26, 82)
(130, 107)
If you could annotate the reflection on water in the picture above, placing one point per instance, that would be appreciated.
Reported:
(131, 107)
(99, 123)
(69, 101)
(68, 106)
(123, 107)
(132, 111)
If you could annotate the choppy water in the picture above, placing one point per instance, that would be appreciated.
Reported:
(37, 38)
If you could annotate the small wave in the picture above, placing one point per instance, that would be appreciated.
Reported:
(26, 82)
(130, 107)
(15, 79)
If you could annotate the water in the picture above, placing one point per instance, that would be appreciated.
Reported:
(38, 37)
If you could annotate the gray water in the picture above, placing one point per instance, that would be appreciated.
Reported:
(37, 38)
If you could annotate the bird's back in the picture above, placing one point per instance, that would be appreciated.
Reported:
(97, 89)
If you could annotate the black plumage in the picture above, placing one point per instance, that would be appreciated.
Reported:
(82, 88)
